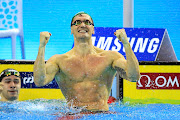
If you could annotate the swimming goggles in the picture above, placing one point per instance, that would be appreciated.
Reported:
(9, 73)
(78, 22)
(12, 73)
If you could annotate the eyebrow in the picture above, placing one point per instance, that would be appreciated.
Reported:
(8, 79)
(82, 20)
(90, 19)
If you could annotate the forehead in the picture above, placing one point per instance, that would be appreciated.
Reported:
(12, 77)
(83, 17)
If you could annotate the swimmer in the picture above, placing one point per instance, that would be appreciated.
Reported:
(10, 84)
(85, 73)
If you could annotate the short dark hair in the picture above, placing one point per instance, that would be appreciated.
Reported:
(79, 13)
(9, 72)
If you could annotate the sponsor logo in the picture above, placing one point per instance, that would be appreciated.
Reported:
(159, 81)
(145, 42)
(141, 45)
(27, 81)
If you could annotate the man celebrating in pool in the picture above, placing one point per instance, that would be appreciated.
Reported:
(10, 84)
(85, 73)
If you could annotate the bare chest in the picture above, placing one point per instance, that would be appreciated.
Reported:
(90, 67)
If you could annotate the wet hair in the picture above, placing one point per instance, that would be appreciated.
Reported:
(9, 72)
(80, 13)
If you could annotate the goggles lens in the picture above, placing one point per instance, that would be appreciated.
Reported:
(86, 22)
(12, 73)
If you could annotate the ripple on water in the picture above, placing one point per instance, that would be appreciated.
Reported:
(57, 109)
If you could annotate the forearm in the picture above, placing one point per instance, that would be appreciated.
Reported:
(132, 64)
(39, 68)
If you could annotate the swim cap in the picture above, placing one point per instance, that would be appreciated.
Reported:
(79, 14)
(8, 72)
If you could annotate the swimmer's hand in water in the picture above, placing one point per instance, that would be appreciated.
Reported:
(44, 38)
(121, 35)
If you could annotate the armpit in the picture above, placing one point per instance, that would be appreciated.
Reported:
(122, 73)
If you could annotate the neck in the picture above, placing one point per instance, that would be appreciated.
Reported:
(83, 47)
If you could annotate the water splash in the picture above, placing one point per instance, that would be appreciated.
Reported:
(57, 109)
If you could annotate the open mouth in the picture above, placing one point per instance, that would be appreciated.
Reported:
(82, 31)
(12, 91)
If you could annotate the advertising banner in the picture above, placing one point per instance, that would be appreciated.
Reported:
(148, 44)
(28, 81)
(28, 88)
(159, 81)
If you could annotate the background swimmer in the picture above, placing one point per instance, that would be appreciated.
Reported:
(85, 73)
(10, 84)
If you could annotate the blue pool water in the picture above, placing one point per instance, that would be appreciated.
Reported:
(42, 109)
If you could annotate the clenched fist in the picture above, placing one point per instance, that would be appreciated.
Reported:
(44, 38)
(121, 35)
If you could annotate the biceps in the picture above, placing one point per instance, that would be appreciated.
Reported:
(120, 66)
(120, 63)
(51, 70)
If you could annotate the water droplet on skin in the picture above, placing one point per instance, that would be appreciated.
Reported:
(123, 38)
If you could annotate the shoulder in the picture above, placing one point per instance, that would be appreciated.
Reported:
(110, 55)
(115, 56)
(57, 58)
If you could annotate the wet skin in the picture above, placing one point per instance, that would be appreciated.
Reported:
(10, 89)
(86, 81)
(85, 73)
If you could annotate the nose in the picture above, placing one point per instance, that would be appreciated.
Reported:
(82, 24)
(12, 85)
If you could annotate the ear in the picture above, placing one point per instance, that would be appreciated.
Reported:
(71, 31)
(93, 31)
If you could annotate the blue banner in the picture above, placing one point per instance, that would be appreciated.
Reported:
(27, 81)
(145, 42)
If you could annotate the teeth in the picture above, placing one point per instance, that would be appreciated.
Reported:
(82, 31)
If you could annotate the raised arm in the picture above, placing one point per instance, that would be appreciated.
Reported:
(44, 73)
(129, 68)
